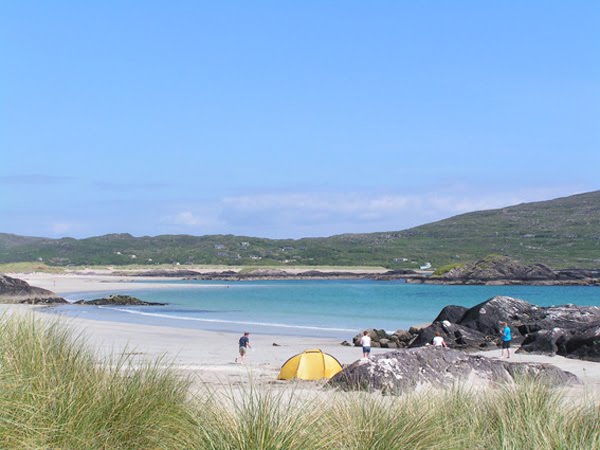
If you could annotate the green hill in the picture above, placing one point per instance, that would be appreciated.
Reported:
(564, 232)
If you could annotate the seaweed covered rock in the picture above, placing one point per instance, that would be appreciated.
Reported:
(119, 300)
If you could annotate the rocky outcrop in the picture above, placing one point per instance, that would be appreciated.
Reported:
(497, 270)
(567, 330)
(13, 290)
(118, 300)
(577, 343)
(406, 370)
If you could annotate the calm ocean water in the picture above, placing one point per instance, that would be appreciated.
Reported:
(336, 309)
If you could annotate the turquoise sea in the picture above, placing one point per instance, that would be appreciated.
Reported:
(335, 309)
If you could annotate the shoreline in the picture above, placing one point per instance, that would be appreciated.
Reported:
(118, 279)
(208, 356)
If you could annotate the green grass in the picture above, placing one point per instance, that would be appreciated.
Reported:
(55, 394)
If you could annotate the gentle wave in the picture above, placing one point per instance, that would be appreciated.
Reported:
(264, 324)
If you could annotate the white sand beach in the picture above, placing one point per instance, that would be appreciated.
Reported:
(209, 357)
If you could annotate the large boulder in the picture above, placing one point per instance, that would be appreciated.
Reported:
(451, 313)
(411, 369)
(14, 290)
(577, 343)
(486, 317)
(585, 344)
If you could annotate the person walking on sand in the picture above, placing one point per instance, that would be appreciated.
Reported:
(365, 341)
(244, 345)
(506, 337)
(438, 340)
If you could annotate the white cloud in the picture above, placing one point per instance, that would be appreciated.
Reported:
(190, 219)
(296, 214)
(59, 228)
(300, 213)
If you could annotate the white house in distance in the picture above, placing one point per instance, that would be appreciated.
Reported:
(426, 266)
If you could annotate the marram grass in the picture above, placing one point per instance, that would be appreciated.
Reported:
(54, 394)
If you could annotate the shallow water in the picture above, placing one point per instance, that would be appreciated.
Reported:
(335, 309)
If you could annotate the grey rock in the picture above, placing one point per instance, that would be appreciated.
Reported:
(403, 335)
(405, 370)
(384, 343)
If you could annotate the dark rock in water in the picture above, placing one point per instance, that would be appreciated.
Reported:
(409, 369)
(120, 300)
(451, 313)
(346, 344)
(275, 344)
(14, 290)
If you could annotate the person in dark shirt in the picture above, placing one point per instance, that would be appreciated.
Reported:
(244, 345)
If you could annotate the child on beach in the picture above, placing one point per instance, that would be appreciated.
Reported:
(438, 340)
(506, 337)
(244, 345)
(365, 341)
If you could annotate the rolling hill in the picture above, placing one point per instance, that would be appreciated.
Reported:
(563, 232)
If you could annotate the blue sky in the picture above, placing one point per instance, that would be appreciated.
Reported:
(290, 119)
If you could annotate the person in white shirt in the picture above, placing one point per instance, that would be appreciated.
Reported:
(365, 341)
(438, 341)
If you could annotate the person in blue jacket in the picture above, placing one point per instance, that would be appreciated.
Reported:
(506, 337)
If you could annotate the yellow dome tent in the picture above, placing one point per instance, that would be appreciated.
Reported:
(310, 365)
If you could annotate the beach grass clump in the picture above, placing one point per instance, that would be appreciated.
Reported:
(531, 414)
(254, 418)
(56, 395)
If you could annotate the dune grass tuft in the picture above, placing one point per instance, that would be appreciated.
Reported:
(55, 395)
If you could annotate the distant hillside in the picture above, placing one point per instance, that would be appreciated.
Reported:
(564, 232)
